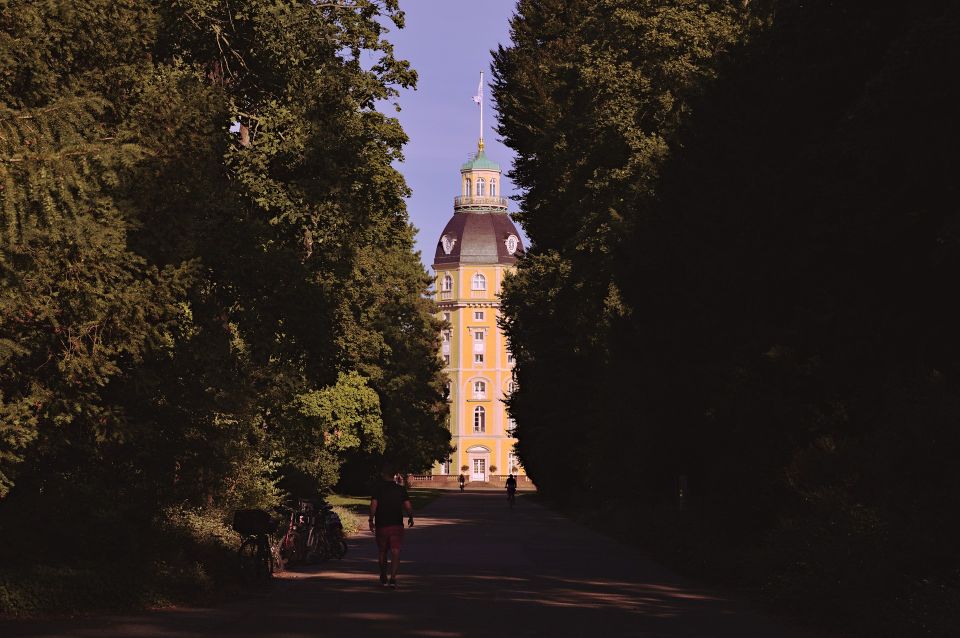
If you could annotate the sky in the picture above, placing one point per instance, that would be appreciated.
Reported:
(448, 43)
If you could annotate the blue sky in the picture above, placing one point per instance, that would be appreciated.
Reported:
(448, 42)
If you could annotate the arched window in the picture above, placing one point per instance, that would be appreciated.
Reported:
(479, 282)
(447, 283)
(467, 187)
(479, 419)
(493, 188)
(480, 187)
(479, 389)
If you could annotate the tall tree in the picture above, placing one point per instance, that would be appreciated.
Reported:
(589, 94)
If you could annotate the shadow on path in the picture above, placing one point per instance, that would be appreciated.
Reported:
(472, 567)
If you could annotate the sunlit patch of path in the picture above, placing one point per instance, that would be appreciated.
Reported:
(471, 567)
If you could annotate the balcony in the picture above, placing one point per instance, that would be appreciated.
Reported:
(479, 203)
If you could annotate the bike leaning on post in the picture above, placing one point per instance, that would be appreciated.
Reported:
(257, 563)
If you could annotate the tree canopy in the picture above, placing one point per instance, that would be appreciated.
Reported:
(207, 277)
(743, 238)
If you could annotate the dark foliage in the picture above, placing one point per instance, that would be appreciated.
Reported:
(782, 341)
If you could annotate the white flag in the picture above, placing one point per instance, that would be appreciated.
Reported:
(478, 98)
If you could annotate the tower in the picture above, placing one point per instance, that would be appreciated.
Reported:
(475, 250)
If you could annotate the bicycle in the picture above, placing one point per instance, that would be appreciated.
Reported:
(331, 533)
(300, 542)
(315, 533)
(256, 555)
(511, 485)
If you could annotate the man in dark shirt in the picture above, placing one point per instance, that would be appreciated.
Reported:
(386, 520)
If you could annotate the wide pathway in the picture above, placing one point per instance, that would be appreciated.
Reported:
(471, 567)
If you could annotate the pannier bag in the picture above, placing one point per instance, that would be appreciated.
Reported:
(253, 522)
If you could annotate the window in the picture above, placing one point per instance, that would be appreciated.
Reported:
(467, 187)
(478, 316)
(478, 335)
(479, 419)
(445, 467)
(446, 359)
(511, 426)
(447, 283)
(513, 463)
(479, 389)
(480, 188)
(479, 282)
(511, 387)
(478, 358)
(493, 188)
(449, 391)
(510, 357)
(446, 336)
(446, 317)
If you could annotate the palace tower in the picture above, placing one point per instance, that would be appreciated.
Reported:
(477, 247)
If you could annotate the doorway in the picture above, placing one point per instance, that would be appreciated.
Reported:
(479, 470)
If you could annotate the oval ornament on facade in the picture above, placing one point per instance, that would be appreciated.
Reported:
(512, 243)
(448, 243)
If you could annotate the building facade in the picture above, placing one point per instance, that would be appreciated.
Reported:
(478, 246)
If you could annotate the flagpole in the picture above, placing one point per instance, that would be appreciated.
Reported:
(481, 110)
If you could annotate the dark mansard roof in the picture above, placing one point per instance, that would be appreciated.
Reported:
(478, 238)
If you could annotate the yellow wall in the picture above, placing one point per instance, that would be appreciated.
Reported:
(495, 371)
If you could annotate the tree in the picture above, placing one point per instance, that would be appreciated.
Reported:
(588, 94)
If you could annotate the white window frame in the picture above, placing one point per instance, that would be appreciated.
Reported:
(479, 282)
(481, 187)
(467, 187)
(478, 315)
(480, 389)
(479, 419)
(493, 187)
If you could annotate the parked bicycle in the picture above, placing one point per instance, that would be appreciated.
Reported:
(256, 555)
(314, 533)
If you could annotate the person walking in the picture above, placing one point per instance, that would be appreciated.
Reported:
(387, 503)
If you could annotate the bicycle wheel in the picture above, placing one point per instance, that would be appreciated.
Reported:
(264, 560)
(249, 562)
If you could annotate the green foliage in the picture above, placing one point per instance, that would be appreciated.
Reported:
(324, 425)
(191, 313)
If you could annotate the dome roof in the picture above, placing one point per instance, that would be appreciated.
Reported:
(480, 162)
(478, 238)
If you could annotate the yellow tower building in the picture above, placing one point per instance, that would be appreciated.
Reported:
(476, 249)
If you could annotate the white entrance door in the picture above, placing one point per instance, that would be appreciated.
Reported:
(479, 470)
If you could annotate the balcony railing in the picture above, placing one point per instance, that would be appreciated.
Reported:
(468, 201)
